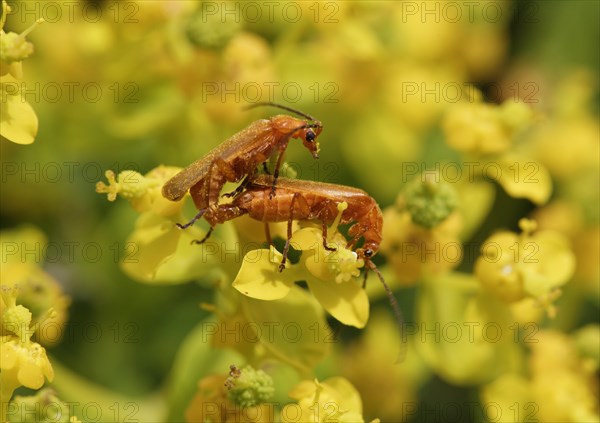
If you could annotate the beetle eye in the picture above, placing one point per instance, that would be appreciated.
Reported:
(368, 253)
(310, 136)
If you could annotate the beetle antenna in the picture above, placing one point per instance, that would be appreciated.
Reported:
(289, 109)
(395, 308)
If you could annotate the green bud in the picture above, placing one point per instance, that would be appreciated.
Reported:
(587, 340)
(430, 200)
(212, 30)
(250, 387)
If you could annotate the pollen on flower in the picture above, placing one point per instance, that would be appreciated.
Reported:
(343, 263)
(17, 320)
(130, 185)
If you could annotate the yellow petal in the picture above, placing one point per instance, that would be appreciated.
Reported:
(306, 239)
(260, 278)
(30, 375)
(522, 178)
(550, 262)
(476, 200)
(153, 240)
(18, 122)
(349, 398)
(345, 301)
(8, 355)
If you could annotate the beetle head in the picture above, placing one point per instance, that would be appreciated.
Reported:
(309, 136)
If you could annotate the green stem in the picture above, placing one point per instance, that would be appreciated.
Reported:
(6, 393)
(75, 388)
(4, 13)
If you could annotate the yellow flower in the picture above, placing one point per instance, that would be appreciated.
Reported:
(330, 277)
(18, 121)
(23, 363)
(143, 192)
(531, 264)
(23, 278)
(13, 47)
(483, 129)
(567, 217)
(157, 251)
(562, 386)
(334, 399)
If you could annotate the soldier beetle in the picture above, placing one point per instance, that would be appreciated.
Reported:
(238, 157)
(307, 200)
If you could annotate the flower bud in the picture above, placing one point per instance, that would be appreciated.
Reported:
(430, 200)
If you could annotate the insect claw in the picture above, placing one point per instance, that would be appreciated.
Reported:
(282, 264)
(231, 194)
(203, 240)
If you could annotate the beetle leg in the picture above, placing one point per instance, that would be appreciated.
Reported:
(364, 285)
(194, 219)
(286, 248)
(324, 230)
(298, 208)
(221, 214)
(324, 213)
(355, 238)
(268, 234)
(276, 170)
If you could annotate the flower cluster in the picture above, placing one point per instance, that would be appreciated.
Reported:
(19, 121)
(532, 264)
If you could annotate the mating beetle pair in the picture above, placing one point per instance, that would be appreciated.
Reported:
(268, 198)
